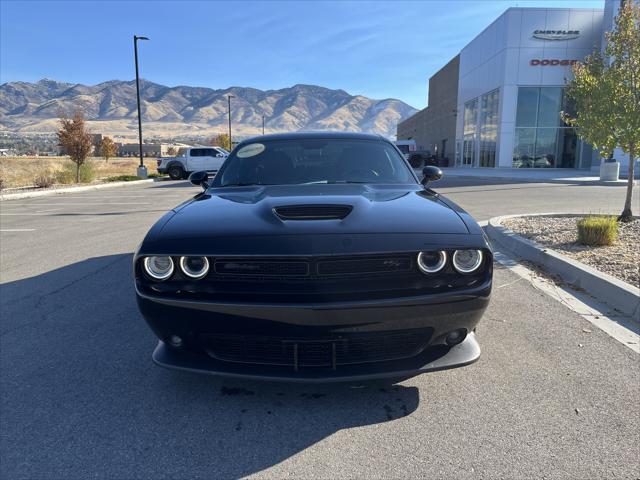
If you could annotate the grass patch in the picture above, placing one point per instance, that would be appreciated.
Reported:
(597, 230)
(67, 175)
(21, 171)
(44, 179)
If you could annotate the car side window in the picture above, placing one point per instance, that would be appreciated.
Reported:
(195, 152)
(209, 152)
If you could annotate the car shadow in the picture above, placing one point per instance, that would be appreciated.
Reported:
(81, 397)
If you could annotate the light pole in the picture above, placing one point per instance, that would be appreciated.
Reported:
(142, 170)
(263, 124)
(229, 107)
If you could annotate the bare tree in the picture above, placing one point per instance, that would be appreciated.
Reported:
(75, 139)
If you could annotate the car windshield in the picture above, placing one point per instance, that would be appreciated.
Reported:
(309, 161)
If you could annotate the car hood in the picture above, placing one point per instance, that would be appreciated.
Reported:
(249, 211)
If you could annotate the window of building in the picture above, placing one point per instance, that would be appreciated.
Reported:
(488, 129)
(542, 139)
(470, 125)
(480, 131)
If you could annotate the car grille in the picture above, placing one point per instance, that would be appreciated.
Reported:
(312, 212)
(364, 266)
(312, 268)
(325, 352)
(244, 266)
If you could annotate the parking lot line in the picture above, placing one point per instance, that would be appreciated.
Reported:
(17, 229)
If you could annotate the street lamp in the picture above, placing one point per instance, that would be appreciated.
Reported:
(263, 124)
(229, 107)
(142, 170)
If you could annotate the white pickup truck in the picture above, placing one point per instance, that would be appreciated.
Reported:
(191, 160)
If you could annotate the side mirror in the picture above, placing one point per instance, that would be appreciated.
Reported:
(430, 174)
(200, 178)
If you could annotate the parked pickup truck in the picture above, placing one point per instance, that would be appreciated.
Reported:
(191, 160)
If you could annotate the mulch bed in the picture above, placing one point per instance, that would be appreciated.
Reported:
(621, 260)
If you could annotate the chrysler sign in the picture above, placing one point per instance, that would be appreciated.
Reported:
(556, 34)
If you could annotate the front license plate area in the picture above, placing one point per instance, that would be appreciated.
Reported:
(314, 353)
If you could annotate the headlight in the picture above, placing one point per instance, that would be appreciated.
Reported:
(158, 268)
(432, 262)
(194, 267)
(467, 261)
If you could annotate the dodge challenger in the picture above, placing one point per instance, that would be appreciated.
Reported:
(315, 257)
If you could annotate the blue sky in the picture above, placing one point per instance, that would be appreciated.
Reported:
(377, 49)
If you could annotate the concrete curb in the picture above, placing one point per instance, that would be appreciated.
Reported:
(55, 191)
(617, 294)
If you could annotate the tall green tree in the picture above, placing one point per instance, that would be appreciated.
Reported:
(606, 92)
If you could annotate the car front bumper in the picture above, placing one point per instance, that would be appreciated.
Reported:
(330, 326)
(431, 360)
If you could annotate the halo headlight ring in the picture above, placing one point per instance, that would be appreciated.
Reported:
(195, 274)
(434, 268)
(468, 268)
(158, 274)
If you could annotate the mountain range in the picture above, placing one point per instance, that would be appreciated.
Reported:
(110, 108)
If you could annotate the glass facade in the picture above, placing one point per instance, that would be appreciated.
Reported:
(469, 131)
(488, 129)
(542, 139)
(480, 131)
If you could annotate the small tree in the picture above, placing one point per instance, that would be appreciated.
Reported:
(75, 139)
(172, 152)
(222, 140)
(606, 91)
(108, 148)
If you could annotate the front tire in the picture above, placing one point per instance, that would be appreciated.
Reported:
(176, 172)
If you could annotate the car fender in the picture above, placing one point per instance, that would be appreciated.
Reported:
(172, 163)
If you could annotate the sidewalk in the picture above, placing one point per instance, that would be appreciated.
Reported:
(529, 174)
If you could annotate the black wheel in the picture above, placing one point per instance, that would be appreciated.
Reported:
(176, 172)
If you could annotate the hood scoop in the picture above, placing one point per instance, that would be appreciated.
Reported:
(312, 212)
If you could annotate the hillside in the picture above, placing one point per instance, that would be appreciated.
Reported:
(169, 111)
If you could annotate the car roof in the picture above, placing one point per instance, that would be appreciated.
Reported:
(313, 135)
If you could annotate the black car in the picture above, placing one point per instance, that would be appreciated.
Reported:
(315, 257)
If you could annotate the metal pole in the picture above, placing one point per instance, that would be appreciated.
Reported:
(229, 109)
(135, 49)
(263, 124)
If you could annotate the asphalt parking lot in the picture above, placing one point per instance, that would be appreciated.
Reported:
(551, 397)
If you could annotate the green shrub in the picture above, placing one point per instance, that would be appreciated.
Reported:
(157, 175)
(68, 174)
(123, 178)
(44, 179)
(597, 230)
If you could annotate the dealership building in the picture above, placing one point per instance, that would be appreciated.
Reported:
(510, 79)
